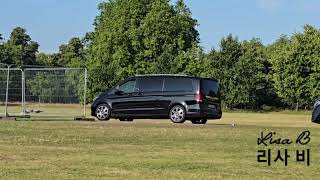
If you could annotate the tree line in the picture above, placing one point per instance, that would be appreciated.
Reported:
(142, 37)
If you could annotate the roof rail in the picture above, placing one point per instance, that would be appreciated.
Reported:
(162, 75)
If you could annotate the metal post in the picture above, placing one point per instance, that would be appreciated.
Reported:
(85, 91)
(23, 93)
(7, 91)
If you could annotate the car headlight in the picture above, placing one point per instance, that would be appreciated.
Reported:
(94, 99)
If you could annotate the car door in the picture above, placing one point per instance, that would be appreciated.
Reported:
(177, 90)
(124, 100)
(150, 91)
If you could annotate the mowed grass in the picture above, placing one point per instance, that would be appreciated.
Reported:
(154, 149)
(61, 110)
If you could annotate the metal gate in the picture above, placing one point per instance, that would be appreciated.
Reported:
(55, 92)
(3, 88)
(43, 92)
(15, 92)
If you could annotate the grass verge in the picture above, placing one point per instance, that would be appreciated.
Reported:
(154, 149)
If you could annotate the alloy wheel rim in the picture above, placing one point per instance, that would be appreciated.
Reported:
(177, 114)
(102, 112)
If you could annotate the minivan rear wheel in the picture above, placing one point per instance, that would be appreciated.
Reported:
(103, 112)
(177, 114)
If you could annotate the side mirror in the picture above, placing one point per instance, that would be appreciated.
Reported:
(118, 92)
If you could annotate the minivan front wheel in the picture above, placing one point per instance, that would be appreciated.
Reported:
(103, 112)
(177, 114)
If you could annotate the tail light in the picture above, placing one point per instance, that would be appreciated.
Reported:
(199, 96)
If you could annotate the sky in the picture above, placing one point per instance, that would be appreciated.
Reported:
(53, 22)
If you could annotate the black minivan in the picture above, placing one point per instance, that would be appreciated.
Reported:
(177, 97)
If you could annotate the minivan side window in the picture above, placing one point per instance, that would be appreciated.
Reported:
(178, 84)
(128, 87)
(150, 84)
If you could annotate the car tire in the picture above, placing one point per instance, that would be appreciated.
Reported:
(103, 112)
(177, 114)
(199, 121)
(129, 119)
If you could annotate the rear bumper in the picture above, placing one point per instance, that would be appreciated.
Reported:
(199, 113)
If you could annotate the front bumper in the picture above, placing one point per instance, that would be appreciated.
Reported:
(93, 107)
(316, 114)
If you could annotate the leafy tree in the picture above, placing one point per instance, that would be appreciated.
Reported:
(1, 49)
(69, 55)
(223, 67)
(296, 67)
(195, 62)
(249, 75)
(50, 60)
(138, 37)
(4, 56)
(241, 69)
(72, 54)
(19, 49)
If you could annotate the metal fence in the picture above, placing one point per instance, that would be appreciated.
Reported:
(43, 92)
(14, 93)
(3, 88)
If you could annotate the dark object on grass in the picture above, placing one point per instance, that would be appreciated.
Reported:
(37, 111)
(7, 118)
(33, 111)
(126, 119)
(316, 113)
(82, 118)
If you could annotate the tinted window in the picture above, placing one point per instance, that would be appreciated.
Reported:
(150, 84)
(177, 84)
(209, 87)
(128, 87)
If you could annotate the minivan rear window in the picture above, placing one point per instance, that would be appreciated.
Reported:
(150, 84)
(209, 87)
(177, 84)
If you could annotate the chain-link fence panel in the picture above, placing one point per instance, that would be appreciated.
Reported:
(15, 92)
(55, 92)
(3, 88)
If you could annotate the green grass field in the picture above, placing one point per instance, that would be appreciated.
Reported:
(154, 149)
